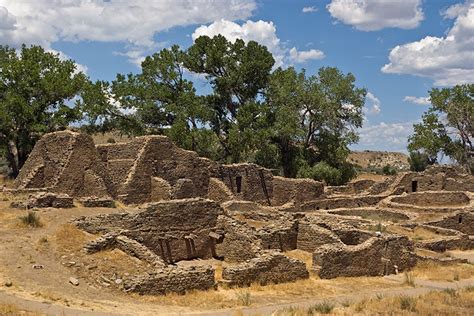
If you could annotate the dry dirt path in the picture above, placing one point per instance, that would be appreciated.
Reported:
(422, 287)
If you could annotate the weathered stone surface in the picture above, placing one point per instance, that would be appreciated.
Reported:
(41, 200)
(295, 190)
(94, 201)
(247, 181)
(376, 256)
(174, 230)
(312, 236)
(269, 267)
(218, 191)
(65, 162)
(177, 280)
(462, 221)
(341, 202)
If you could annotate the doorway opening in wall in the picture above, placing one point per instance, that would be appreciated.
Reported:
(414, 186)
(238, 183)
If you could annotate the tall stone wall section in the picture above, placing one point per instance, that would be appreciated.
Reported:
(65, 162)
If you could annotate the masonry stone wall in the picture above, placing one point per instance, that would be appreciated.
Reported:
(248, 182)
(312, 236)
(376, 256)
(175, 230)
(341, 202)
(440, 198)
(270, 267)
(462, 221)
(65, 162)
(295, 190)
(176, 280)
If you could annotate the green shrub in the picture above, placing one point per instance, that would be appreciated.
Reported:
(111, 140)
(322, 171)
(408, 303)
(31, 219)
(321, 308)
(389, 170)
(418, 161)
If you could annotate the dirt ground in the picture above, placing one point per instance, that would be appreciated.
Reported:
(36, 264)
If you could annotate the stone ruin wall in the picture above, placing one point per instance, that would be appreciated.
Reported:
(147, 169)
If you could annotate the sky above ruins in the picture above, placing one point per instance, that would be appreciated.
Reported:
(397, 49)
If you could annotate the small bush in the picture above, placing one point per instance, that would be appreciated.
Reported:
(327, 173)
(419, 161)
(389, 170)
(322, 308)
(456, 276)
(408, 303)
(111, 140)
(31, 219)
(451, 292)
(244, 298)
(409, 279)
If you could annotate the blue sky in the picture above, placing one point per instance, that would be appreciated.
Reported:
(397, 49)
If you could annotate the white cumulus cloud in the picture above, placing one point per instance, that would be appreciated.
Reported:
(448, 60)
(385, 136)
(373, 15)
(303, 56)
(132, 22)
(309, 9)
(372, 104)
(417, 100)
(262, 32)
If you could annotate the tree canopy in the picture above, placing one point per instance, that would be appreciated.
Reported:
(447, 128)
(295, 124)
(35, 87)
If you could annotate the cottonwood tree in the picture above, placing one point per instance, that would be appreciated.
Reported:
(315, 120)
(237, 72)
(35, 87)
(448, 126)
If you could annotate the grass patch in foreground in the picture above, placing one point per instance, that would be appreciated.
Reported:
(12, 309)
(31, 220)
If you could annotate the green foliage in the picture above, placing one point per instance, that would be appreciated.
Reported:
(321, 308)
(285, 120)
(389, 170)
(35, 87)
(322, 171)
(448, 126)
(418, 161)
(408, 303)
(31, 220)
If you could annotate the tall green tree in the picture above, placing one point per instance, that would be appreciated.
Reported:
(315, 118)
(237, 72)
(159, 100)
(448, 126)
(35, 87)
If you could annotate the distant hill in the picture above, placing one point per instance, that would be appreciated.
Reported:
(379, 159)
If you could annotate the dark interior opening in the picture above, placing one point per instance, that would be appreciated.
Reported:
(238, 183)
(414, 186)
(460, 219)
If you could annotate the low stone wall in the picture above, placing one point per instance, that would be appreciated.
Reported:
(432, 199)
(280, 235)
(375, 257)
(462, 221)
(41, 200)
(174, 280)
(463, 242)
(295, 190)
(346, 202)
(312, 236)
(94, 201)
(270, 267)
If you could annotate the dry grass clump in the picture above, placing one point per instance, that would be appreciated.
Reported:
(432, 271)
(447, 302)
(69, 237)
(409, 279)
(30, 220)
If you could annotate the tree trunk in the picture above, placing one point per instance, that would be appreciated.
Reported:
(12, 158)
